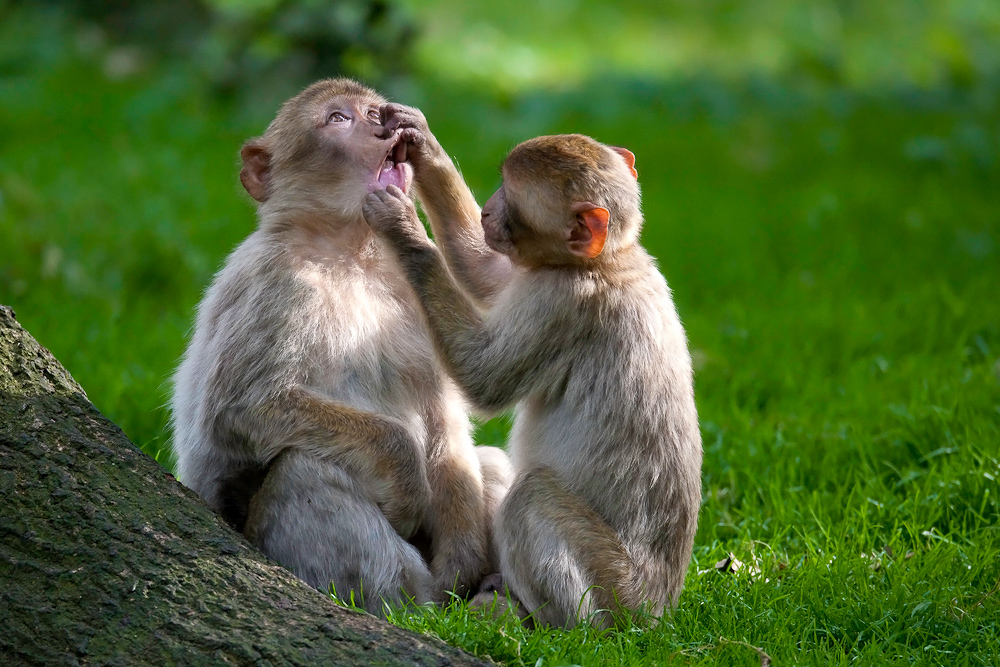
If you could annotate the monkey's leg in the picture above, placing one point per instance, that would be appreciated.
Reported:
(463, 500)
(318, 521)
(468, 491)
(562, 561)
(372, 448)
(457, 520)
(498, 475)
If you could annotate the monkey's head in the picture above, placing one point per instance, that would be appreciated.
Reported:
(565, 199)
(324, 152)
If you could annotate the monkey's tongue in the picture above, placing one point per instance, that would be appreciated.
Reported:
(394, 173)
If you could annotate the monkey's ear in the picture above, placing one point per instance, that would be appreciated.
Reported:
(629, 159)
(256, 173)
(590, 231)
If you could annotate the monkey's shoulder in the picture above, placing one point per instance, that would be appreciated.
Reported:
(600, 294)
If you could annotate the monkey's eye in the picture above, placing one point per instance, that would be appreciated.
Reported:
(336, 117)
(373, 115)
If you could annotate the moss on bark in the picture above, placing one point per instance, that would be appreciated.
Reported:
(106, 559)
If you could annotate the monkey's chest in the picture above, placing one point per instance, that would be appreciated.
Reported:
(380, 357)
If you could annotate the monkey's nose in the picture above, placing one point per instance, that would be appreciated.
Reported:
(383, 132)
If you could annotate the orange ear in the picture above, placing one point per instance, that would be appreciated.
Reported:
(629, 159)
(256, 172)
(590, 232)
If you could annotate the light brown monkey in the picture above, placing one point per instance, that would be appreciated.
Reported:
(309, 408)
(582, 335)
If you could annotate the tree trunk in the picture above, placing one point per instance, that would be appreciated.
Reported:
(106, 559)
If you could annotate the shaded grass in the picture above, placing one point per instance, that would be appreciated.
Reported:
(835, 263)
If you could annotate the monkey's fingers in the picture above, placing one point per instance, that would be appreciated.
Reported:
(394, 116)
(493, 583)
(374, 209)
(373, 201)
(394, 192)
(390, 213)
(389, 114)
(413, 136)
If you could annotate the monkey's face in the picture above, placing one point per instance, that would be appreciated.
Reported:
(355, 146)
(347, 153)
(324, 153)
(535, 224)
(515, 223)
(496, 225)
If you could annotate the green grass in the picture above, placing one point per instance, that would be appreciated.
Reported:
(835, 259)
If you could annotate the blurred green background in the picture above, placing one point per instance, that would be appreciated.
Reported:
(823, 171)
(820, 181)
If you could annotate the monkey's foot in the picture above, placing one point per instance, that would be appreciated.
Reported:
(492, 584)
(495, 600)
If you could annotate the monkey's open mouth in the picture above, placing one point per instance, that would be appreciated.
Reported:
(395, 170)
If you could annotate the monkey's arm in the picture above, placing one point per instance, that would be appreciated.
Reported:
(376, 449)
(495, 362)
(450, 206)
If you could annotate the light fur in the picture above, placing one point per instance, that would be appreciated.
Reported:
(592, 355)
(309, 408)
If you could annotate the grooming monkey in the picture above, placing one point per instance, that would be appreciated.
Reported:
(309, 408)
(582, 335)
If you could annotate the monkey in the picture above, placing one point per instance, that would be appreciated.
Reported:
(309, 408)
(580, 334)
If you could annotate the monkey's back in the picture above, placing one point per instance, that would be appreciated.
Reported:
(618, 422)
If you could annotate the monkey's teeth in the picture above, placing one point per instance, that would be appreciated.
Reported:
(399, 152)
(393, 173)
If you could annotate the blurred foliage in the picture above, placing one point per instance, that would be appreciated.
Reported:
(858, 43)
(251, 49)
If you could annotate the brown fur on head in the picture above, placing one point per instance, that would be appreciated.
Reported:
(314, 161)
(565, 198)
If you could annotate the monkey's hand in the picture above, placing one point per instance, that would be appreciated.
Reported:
(421, 147)
(391, 214)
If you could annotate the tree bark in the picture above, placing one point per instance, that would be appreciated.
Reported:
(106, 559)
